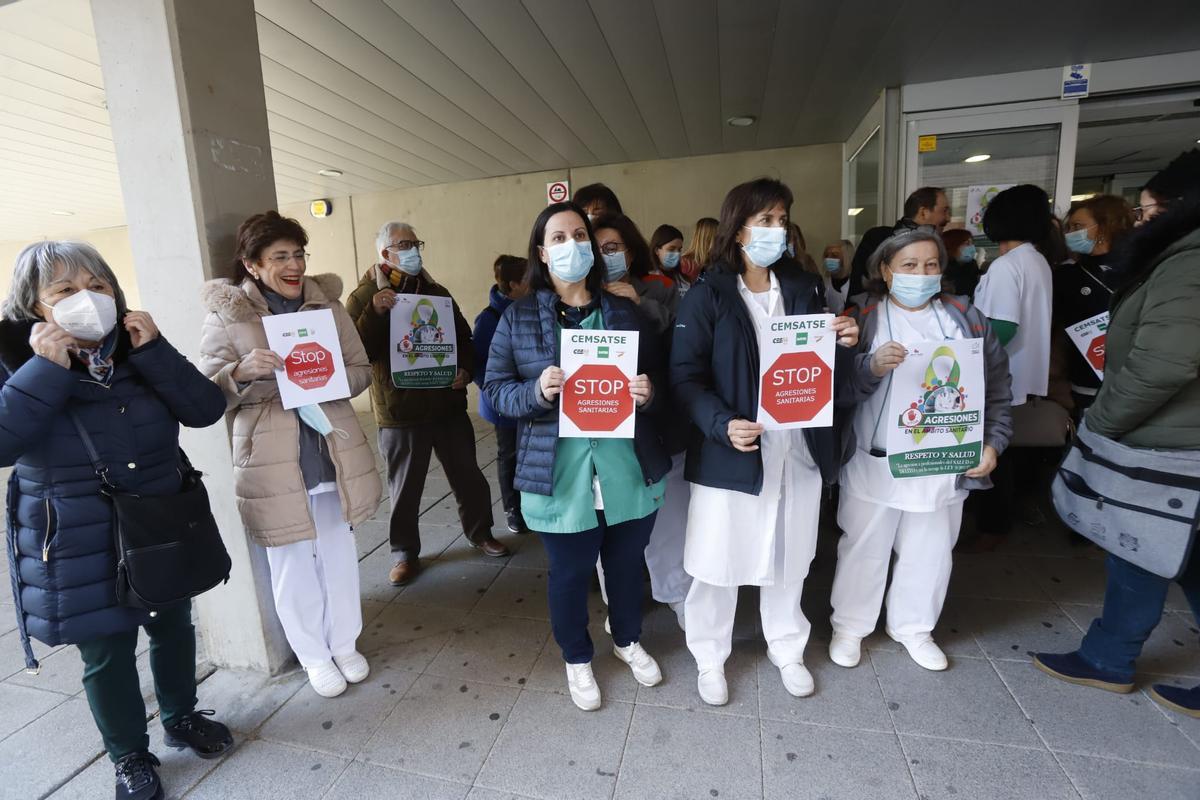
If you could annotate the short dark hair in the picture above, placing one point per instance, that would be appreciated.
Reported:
(509, 270)
(1022, 214)
(258, 233)
(539, 273)
(1178, 179)
(586, 195)
(663, 234)
(925, 197)
(640, 263)
(744, 201)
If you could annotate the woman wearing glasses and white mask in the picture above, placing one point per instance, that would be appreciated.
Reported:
(627, 263)
(303, 477)
(755, 494)
(918, 518)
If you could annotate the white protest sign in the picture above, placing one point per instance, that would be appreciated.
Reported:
(423, 342)
(935, 418)
(795, 357)
(308, 343)
(1090, 337)
(595, 401)
(978, 198)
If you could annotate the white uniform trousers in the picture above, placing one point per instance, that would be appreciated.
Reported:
(669, 582)
(315, 584)
(710, 611)
(923, 543)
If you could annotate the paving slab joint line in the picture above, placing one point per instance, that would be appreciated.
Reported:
(72, 776)
(895, 731)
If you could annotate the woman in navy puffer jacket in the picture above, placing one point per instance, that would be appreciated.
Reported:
(68, 345)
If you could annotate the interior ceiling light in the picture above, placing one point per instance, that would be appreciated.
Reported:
(741, 122)
(853, 212)
(977, 159)
(1079, 198)
(329, 173)
(63, 213)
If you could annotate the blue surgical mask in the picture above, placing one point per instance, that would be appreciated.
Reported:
(833, 264)
(1079, 242)
(570, 261)
(967, 254)
(314, 417)
(670, 259)
(766, 245)
(614, 266)
(409, 261)
(914, 290)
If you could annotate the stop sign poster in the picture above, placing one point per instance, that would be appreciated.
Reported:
(1090, 336)
(795, 358)
(596, 403)
(934, 418)
(424, 342)
(313, 371)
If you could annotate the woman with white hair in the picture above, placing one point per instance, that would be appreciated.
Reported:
(72, 354)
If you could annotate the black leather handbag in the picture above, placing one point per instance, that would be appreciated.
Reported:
(168, 547)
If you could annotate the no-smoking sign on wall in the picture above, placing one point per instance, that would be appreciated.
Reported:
(558, 192)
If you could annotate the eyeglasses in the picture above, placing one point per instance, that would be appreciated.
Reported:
(280, 260)
(1139, 212)
(609, 248)
(407, 244)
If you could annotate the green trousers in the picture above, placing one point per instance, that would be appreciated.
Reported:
(110, 679)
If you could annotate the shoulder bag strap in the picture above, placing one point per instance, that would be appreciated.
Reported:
(97, 464)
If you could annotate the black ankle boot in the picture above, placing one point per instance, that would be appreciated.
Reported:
(206, 738)
(136, 778)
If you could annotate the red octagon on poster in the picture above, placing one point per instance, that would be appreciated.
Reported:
(1095, 352)
(597, 398)
(309, 366)
(797, 387)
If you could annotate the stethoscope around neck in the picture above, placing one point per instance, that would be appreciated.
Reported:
(887, 312)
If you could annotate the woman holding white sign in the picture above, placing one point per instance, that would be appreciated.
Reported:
(584, 497)
(917, 517)
(756, 493)
(303, 477)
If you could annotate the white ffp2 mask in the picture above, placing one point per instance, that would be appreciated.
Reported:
(86, 315)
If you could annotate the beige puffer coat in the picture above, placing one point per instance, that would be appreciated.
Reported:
(266, 439)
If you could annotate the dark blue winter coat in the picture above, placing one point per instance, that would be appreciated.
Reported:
(485, 328)
(715, 371)
(61, 555)
(526, 342)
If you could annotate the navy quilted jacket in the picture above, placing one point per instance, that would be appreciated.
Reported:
(525, 343)
(60, 541)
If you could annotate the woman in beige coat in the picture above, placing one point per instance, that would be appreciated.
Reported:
(304, 477)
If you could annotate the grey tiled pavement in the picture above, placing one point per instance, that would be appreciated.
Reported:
(467, 699)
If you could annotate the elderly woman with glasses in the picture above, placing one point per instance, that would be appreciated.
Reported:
(304, 477)
(72, 353)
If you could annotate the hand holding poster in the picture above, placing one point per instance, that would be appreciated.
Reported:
(595, 400)
(1090, 336)
(795, 357)
(307, 341)
(935, 417)
(424, 342)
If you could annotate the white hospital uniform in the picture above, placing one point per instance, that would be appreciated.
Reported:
(918, 518)
(315, 584)
(1018, 288)
(767, 540)
(669, 581)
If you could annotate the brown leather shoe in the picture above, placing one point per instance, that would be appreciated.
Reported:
(491, 547)
(404, 571)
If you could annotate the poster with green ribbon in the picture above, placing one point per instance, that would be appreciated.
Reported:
(424, 343)
(935, 417)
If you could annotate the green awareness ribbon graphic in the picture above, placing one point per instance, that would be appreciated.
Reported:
(932, 384)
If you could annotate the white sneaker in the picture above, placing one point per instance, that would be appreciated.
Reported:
(924, 651)
(326, 679)
(845, 650)
(354, 667)
(797, 680)
(582, 683)
(645, 668)
(712, 687)
(678, 609)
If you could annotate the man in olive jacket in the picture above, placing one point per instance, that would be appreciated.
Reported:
(416, 422)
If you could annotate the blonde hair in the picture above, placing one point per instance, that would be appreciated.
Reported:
(700, 249)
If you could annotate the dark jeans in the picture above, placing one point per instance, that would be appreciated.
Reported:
(110, 679)
(406, 451)
(506, 465)
(621, 549)
(1133, 606)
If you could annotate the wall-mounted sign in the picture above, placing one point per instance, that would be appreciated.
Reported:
(320, 208)
(558, 192)
(927, 143)
(1075, 81)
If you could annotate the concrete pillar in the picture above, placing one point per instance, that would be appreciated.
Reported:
(185, 96)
